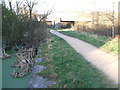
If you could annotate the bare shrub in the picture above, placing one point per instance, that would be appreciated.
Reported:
(64, 25)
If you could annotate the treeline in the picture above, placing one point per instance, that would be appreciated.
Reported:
(21, 30)
(101, 24)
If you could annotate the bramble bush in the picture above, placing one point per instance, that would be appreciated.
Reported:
(21, 30)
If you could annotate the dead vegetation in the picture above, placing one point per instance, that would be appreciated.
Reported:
(4, 55)
(24, 62)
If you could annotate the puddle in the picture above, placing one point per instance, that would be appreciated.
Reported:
(35, 80)
(7, 80)
(38, 60)
(39, 82)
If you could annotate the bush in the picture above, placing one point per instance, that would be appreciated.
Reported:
(21, 30)
(64, 25)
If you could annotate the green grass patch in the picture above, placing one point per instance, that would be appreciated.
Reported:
(112, 46)
(68, 68)
(103, 42)
(57, 29)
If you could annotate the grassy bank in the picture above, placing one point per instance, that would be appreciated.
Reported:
(68, 68)
(103, 42)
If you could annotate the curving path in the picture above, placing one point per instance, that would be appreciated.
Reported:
(105, 62)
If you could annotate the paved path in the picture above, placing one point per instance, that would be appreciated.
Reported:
(105, 62)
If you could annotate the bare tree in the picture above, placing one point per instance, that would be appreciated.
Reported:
(43, 17)
(10, 4)
(30, 4)
(3, 2)
(113, 26)
(111, 16)
(18, 4)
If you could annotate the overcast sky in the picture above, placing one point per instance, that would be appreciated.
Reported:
(72, 5)
(86, 5)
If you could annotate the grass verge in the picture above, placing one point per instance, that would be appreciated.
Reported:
(68, 68)
(56, 29)
(103, 42)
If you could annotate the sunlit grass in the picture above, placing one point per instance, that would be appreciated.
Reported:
(68, 68)
(112, 46)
